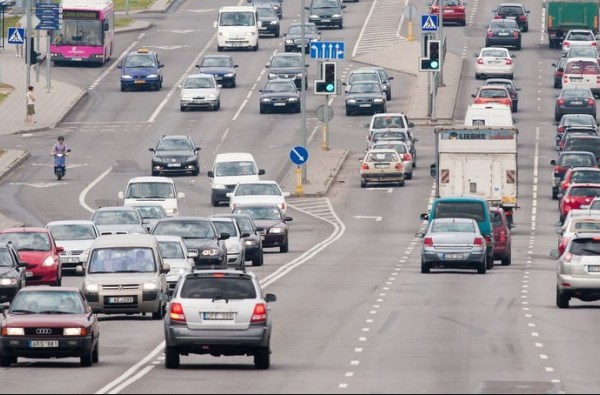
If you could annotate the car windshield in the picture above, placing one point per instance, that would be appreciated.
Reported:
(122, 260)
(5, 258)
(186, 229)
(582, 177)
(226, 227)
(280, 86)
(218, 287)
(216, 62)
(230, 169)
(359, 77)
(150, 212)
(47, 302)
(382, 157)
(266, 12)
(27, 241)
(585, 226)
(506, 85)
(576, 160)
(237, 18)
(583, 52)
(174, 145)
(510, 10)
(388, 121)
(198, 83)
(397, 136)
(580, 36)
(325, 4)
(454, 226)
(398, 147)
(286, 61)
(245, 224)
(297, 30)
(572, 93)
(257, 189)
(582, 67)
(72, 232)
(116, 217)
(493, 93)
(171, 250)
(585, 247)
(133, 61)
(496, 218)
(472, 210)
(259, 212)
(494, 53)
(365, 88)
(150, 190)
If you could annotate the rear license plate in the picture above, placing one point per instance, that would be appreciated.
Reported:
(237, 44)
(69, 259)
(364, 105)
(502, 33)
(453, 256)
(381, 166)
(139, 82)
(576, 103)
(120, 299)
(448, 11)
(511, 17)
(173, 164)
(593, 268)
(45, 343)
(584, 206)
(221, 315)
(28, 274)
(279, 104)
(218, 77)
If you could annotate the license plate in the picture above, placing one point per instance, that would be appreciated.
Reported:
(453, 256)
(381, 166)
(218, 77)
(279, 104)
(198, 101)
(502, 33)
(576, 103)
(448, 11)
(222, 315)
(593, 268)
(584, 206)
(364, 105)
(325, 20)
(45, 343)
(139, 82)
(262, 28)
(28, 274)
(511, 17)
(236, 44)
(173, 164)
(69, 259)
(120, 299)
(76, 59)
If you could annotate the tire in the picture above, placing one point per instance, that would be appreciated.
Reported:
(481, 268)
(196, 172)
(219, 48)
(215, 203)
(217, 107)
(285, 247)
(154, 173)
(182, 108)
(511, 76)
(489, 263)
(519, 46)
(477, 76)
(5, 361)
(59, 279)
(514, 108)
(258, 260)
(506, 260)
(277, 34)
(408, 176)
(487, 43)
(160, 313)
(263, 110)
(171, 358)
(348, 112)
(388, 96)
(401, 183)
(363, 184)
(425, 267)
(122, 88)
(233, 84)
(95, 353)
(562, 300)
(526, 28)
(86, 359)
(59, 175)
(556, 85)
(255, 48)
(262, 358)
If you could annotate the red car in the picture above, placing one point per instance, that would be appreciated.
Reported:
(453, 10)
(578, 196)
(502, 236)
(580, 175)
(38, 250)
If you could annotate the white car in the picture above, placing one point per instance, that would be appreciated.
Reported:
(75, 237)
(176, 254)
(402, 149)
(236, 252)
(200, 91)
(258, 192)
(579, 38)
(153, 189)
(494, 62)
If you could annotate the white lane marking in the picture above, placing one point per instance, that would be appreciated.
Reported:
(237, 114)
(138, 376)
(362, 30)
(402, 20)
(116, 63)
(84, 192)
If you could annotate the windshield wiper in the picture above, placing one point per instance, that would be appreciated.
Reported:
(55, 312)
(22, 311)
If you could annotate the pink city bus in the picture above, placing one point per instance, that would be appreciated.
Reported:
(87, 34)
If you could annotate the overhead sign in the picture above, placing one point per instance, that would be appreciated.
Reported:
(429, 22)
(299, 155)
(327, 50)
(50, 16)
(16, 35)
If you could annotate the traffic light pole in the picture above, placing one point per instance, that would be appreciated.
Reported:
(441, 30)
(303, 83)
(325, 143)
(27, 48)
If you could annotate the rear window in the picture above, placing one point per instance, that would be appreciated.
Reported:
(496, 218)
(585, 226)
(586, 177)
(583, 191)
(510, 10)
(472, 210)
(576, 93)
(218, 287)
(576, 160)
(582, 67)
(493, 93)
(581, 36)
(465, 227)
(583, 145)
(585, 247)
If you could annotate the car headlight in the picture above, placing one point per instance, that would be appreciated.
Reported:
(299, 75)
(171, 211)
(152, 76)
(314, 16)
(350, 101)
(289, 41)
(75, 331)
(229, 74)
(336, 16)
(293, 99)
(265, 100)
(126, 77)
(274, 22)
(150, 287)
(210, 252)
(9, 331)
(91, 287)
(219, 186)
(378, 101)
(250, 242)
(271, 75)
(49, 261)
(187, 97)
(276, 229)
(212, 96)
(233, 248)
(7, 282)
(190, 159)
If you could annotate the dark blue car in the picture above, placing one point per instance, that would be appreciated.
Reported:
(141, 69)
(221, 67)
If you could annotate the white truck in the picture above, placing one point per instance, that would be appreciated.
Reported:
(477, 161)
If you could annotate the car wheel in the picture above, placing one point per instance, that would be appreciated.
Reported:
(511, 76)
(214, 202)
(425, 267)
(277, 34)
(258, 260)
(507, 260)
(182, 108)
(86, 359)
(5, 361)
(262, 358)
(562, 300)
(481, 267)
(487, 43)
(95, 353)
(526, 28)
(59, 279)
(556, 85)
(171, 358)
(388, 96)
(263, 110)
(233, 84)
(219, 48)
(196, 171)
(489, 263)
(363, 184)
(122, 88)
(408, 176)
(519, 46)
(348, 112)
(285, 247)
(514, 107)
(160, 313)
(255, 48)
(217, 106)
(477, 76)
(401, 183)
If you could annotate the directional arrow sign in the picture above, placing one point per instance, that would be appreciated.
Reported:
(299, 155)
(328, 50)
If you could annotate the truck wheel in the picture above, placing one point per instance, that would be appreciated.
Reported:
(489, 263)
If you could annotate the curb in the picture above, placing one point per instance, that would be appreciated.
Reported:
(14, 164)
(373, 64)
(158, 10)
(332, 175)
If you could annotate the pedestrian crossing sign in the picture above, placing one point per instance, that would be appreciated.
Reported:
(429, 23)
(16, 35)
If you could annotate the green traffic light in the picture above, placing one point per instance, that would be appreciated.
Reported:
(434, 64)
(329, 87)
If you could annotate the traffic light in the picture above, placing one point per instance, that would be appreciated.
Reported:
(432, 62)
(327, 84)
(33, 55)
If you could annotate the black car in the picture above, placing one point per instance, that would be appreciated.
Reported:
(583, 143)
(269, 21)
(275, 4)
(326, 13)
(279, 95)
(365, 97)
(571, 131)
(569, 120)
(12, 273)
(287, 66)
(559, 70)
(198, 233)
(574, 101)
(222, 67)
(293, 37)
(175, 154)
(272, 220)
(513, 91)
(252, 242)
(515, 11)
(503, 32)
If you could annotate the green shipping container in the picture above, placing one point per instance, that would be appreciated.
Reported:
(562, 15)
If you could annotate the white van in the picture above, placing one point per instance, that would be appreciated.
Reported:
(237, 27)
(227, 170)
(582, 72)
(490, 114)
(153, 189)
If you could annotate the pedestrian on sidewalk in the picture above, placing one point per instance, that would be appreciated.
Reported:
(30, 106)
(19, 47)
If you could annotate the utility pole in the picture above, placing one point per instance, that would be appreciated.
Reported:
(441, 30)
(27, 48)
(303, 84)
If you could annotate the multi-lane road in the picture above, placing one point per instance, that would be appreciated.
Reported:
(354, 314)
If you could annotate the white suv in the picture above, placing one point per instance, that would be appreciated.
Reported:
(227, 170)
(153, 189)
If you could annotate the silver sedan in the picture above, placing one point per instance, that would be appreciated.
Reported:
(453, 242)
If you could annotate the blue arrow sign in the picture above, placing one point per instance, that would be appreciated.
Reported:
(299, 155)
(429, 22)
(327, 50)
(16, 35)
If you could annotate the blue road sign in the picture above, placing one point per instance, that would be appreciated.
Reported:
(50, 16)
(429, 22)
(327, 50)
(299, 155)
(16, 35)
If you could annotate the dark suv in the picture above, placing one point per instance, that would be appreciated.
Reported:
(12, 273)
(293, 37)
(287, 65)
(326, 13)
(175, 154)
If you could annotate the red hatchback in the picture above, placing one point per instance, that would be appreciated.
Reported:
(502, 236)
(578, 196)
(37, 248)
(452, 10)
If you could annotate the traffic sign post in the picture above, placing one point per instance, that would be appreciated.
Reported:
(16, 35)
(328, 50)
(299, 157)
(429, 23)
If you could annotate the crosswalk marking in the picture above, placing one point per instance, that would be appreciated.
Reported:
(379, 30)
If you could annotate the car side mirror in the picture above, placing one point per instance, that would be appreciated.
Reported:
(420, 235)
(367, 125)
(343, 5)
(192, 253)
(224, 236)
(307, 8)
(261, 172)
(164, 297)
(235, 66)
(229, 194)
(260, 229)
(210, 174)
(512, 55)
(245, 234)
(288, 219)
(198, 66)
(160, 66)
(560, 195)
(424, 216)
(553, 64)
(267, 65)
(166, 268)
(512, 225)
(270, 298)
(390, 78)
(411, 124)
(60, 248)
(473, 95)
(219, 86)
(475, 55)
(120, 66)
(180, 195)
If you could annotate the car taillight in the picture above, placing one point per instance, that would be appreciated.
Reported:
(488, 238)
(428, 242)
(565, 79)
(498, 17)
(522, 17)
(399, 166)
(559, 73)
(556, 169)
(478, 241)
(479, 60)
(502, 236)
(515, 34)
(566, 44)
(594, 44)
(406, 157)
(260, 313)
(282, 206)
(507, 101)
(561, 102)
(477, 100)
(176, 313)
(564, 185)
(508, 61)
(592, 102)
(568, 257)
(364, 166)
(490, 33)
(561, 129)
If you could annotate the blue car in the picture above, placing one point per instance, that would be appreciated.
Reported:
(222, 67)
(141, 69)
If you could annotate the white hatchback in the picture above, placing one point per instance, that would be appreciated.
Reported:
(257, 192)
(579, 38)
(494, 62)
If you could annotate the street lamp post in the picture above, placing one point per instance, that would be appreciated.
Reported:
(303, 83)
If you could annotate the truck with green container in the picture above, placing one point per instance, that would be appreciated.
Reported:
(563, 15)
